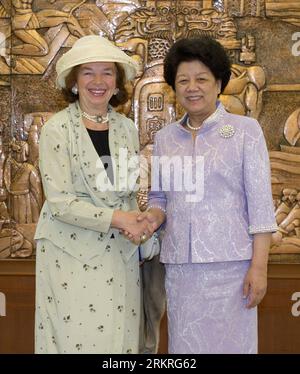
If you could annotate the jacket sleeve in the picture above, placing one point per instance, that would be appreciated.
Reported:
(55, 168)
(257, 181)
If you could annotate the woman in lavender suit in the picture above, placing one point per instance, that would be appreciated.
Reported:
(211, 182)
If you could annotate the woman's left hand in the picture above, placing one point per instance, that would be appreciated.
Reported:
(255, 285)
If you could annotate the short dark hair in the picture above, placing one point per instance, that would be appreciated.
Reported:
(120, 98)
(204, 49)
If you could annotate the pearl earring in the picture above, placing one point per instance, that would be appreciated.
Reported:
(116, 91)
(74, 90)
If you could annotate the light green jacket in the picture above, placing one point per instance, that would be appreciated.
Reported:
(76, 215)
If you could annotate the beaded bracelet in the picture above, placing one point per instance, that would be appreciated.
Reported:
(157, 207)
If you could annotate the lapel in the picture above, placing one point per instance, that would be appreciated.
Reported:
(91, 167)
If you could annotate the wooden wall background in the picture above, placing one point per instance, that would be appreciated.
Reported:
(261, 36)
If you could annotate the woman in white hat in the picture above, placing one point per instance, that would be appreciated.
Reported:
(87, 274)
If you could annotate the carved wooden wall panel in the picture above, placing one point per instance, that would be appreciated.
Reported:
(261, 36)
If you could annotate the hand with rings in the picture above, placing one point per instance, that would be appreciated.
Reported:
(147, 222)
(134, 230)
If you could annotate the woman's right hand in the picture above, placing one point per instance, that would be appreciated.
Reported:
(153, 217)
(128, 222)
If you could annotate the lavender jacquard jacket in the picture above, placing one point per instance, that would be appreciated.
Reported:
(216, 191)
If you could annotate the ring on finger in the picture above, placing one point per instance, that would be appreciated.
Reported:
(143, 238)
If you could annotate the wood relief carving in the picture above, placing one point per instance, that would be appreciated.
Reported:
(241, 8)
(23, 184)
(285, 10)
(243, 94)
(33, 33)
(153, 103)
(12, 242)
(163, 23)
(21, 190)
(285, 165)
(5, 30)
(288, 11)
(287, 238)
(31, 50)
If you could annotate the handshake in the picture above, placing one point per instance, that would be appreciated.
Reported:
(140, 226)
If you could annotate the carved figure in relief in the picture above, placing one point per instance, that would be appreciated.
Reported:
(286, 162)
(243, 95)
(12, 242)
(285, 166)
(25, 23)
(23, 184)
(6, 237)
(292, 221)
(286, 205)
(33, 122)
(287, 238)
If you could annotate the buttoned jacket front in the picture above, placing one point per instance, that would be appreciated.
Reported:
(219, 195)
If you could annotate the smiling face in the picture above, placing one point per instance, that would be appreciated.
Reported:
(196, 89)
(96, 82)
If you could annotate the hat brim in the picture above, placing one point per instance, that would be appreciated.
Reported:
(96, 49)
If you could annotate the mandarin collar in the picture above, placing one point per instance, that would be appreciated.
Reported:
(213, 119)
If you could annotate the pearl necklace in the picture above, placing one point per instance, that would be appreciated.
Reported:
(96, 119)
(191, 127)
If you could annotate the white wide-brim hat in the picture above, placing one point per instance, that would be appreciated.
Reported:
(93, 48)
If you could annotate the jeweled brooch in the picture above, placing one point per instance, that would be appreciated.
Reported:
(226, 131)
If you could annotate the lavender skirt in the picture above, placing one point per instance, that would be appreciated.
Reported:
(206, 311)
